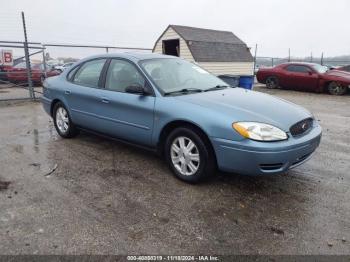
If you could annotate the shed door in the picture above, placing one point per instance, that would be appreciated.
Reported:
(171, 47)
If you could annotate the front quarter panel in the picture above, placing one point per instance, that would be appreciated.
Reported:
(214, 124)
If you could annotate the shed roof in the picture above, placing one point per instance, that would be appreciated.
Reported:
(207, 45)
(206, 35)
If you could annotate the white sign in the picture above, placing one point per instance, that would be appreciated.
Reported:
(6, 58)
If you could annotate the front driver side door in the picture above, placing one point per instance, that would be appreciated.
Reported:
(127, 116)
(302, 77)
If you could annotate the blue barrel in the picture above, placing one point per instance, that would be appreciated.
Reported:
(246, 82)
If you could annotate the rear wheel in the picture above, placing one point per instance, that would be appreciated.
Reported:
(272, 82)
(63, 124)
(337, 89)
(188, 155)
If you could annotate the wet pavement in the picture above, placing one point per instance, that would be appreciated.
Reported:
(90, 195)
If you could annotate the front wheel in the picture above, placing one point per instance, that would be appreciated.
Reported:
(272, 82)
(63, 124)
(188, 155)
(337, 89)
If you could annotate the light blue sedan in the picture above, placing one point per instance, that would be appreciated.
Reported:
(187, 115)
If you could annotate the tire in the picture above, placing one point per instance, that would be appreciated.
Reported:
(336, 89)
(197, 170)
(272, 82)
(62, 121)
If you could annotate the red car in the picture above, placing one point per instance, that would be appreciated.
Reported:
(18, 73)
(344, 68)
(305, 76)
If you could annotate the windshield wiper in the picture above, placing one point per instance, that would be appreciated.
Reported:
(184, 91)
(218, 87)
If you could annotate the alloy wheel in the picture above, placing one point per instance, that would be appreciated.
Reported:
(62, 120)
(336, 89)
(271, 83)
(185, 156)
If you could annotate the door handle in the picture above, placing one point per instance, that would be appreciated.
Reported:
(105, 100)
(67, 92)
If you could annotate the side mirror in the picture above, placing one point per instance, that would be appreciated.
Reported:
(136, 89)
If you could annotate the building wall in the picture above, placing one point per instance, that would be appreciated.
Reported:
(171, 34)
(233, 68)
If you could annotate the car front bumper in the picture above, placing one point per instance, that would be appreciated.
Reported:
(262, 158)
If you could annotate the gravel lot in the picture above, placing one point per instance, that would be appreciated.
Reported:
(90, 195)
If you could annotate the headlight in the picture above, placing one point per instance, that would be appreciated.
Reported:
(259, 131)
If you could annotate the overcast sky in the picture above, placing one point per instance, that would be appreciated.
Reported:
(275, 25)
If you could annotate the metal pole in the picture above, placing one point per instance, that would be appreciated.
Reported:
(107, 50)
(272, 61)
(311, 58)
(289, 55)
(256, 50)
(322, 59)
(44, 64)
(26, 52)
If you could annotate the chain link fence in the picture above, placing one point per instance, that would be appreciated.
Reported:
(273, 61)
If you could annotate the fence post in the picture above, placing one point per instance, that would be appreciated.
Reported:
(107, 50)
(44, 63)
(322, 59)
(289, 55)
(272, 61)
(256, 50)
(26, 53)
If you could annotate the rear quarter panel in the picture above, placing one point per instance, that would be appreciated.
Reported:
(53, 89)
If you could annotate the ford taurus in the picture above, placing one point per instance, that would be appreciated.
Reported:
(186, 114)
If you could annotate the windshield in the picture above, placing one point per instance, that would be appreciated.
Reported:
(172, 74)
(320, 69)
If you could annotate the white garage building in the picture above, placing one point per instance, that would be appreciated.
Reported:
(219, 52)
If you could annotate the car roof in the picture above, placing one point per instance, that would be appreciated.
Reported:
(299, 63)
(134, 56)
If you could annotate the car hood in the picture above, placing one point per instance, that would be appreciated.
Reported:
(337, 73)
(246, 105)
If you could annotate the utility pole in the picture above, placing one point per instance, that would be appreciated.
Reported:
(26, 53)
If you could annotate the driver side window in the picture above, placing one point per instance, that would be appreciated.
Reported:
(298, 69)
(122, 74)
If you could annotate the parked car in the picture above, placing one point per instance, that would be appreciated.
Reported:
(305, 76)
(3, 74)
(344, 68)
(184, 113)
(18, 73)
(63, 67)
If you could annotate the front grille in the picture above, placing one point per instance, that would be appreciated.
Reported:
(301, 127)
